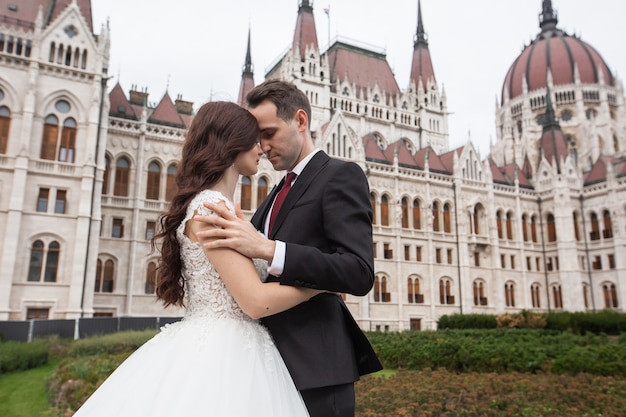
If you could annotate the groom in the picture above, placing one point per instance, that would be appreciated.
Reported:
(321, 238)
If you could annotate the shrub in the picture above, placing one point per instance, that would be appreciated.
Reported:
(467, 321)
(112, 343)
(500, 350)
(16, 356)
(75, 379)
(523, 320)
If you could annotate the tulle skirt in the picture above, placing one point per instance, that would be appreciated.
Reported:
(200, 367)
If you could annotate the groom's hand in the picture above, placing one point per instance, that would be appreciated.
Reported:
(225, 230)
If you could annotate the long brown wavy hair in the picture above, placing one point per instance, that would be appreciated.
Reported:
(218, 133)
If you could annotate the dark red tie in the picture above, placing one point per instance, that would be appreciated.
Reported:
(280, 197)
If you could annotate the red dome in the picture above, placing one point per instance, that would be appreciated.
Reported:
(555, 51)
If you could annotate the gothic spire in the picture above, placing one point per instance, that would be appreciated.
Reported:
(553, 146)
(422, 71)
(420, 34)
(247, 77)
(305, 35)
(247, 67)
(548, 17)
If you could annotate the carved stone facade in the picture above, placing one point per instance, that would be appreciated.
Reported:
(539, 224)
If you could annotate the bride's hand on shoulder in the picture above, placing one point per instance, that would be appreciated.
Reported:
(227, 230)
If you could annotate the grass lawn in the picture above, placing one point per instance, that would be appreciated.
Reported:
(24, 394)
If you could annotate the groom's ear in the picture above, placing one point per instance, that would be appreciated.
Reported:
(302, 120)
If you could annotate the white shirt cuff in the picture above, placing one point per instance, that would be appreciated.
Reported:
(278, 261)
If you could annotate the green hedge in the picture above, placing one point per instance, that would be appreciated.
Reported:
(15, 356)
(606, 321)
(112, 343)
(501, 350)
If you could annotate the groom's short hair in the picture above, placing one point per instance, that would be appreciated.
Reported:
(285, 95)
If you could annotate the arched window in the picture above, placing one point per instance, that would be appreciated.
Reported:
(170, 183)
(413, 291)
(151, 278)
(122, 176)
(52, 53)
(261, 191)
(104, 276)
(608, 225)
(557, 296)
(36, 261)
(50, 136)
(384, 211)
(246, 193)
(509, 226)
(373, 203)
(477, 214)
(417, 215)
(446, 218)
(586, 294)
(594, 234)
(479, 293)
(525, 227)
(509, 294)
(551, 228)
(610, 295)
(535, 295)
(405, 213)
(52, 262)
(435, 212)
(499, 225)
(106, 175)
(380, 289)
(576, 221)
(154, 181)
(5, 124)
(445, 292)
(533, 228)
(39, 257)
(67, 148)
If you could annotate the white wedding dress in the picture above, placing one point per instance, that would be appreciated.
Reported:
(215, 362)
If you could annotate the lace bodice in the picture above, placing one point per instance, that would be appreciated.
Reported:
(206, 295)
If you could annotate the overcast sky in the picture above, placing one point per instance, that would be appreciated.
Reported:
(197, 48)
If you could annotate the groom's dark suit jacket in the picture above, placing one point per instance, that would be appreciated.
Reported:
(326, 223)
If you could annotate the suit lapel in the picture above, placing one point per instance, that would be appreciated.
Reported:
(311, 170)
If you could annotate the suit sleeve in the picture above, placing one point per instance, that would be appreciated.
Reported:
(341, 259)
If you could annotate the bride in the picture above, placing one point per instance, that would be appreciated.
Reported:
(219, 360)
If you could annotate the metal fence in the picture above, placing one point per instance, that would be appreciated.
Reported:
(27, 330)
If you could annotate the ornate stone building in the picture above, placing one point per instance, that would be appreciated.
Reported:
(539, 224)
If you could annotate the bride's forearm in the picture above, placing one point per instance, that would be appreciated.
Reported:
(274, 298)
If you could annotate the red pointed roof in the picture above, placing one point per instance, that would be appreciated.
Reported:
(373, 152)
(362, 67)
(598, 172)
(120, 106)
(512, 171)
(527, 168)
(24, 13)
(247, 84)
(448, 158)
(435, 163)
(422, 70)
(553, 146)
(496, 174)
(305, 35)
(165, 113)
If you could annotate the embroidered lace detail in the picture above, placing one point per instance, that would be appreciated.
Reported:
(206, 295)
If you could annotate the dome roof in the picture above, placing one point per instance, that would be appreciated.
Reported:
(558, 52)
